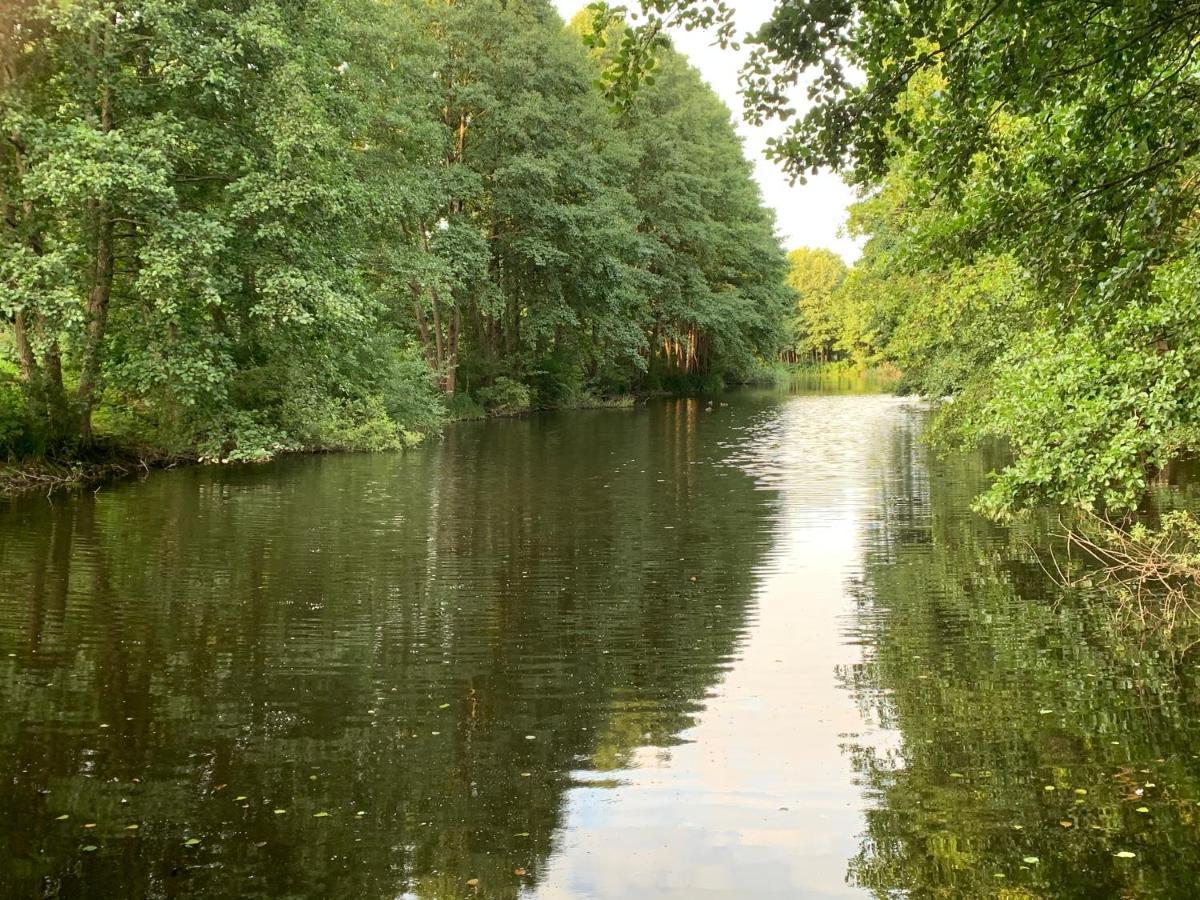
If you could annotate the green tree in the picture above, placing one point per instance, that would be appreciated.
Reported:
(816, 276)
(1056, 145)
(713, 269)
(237, 229)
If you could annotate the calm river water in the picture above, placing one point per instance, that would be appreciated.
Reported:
(757, 651)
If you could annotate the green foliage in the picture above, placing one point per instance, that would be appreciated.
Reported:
(1030, 188)
(463, 407)
(505, 397)
(1091, 417)
(816, 276)
(16, 439)
(713, 270)
(242, 229)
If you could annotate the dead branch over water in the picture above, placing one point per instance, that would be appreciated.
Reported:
(1153, 573)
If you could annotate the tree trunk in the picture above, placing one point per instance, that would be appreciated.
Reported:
(100, 293)
(26, 358)
(452, 351)
(97, 318)
(423, 328)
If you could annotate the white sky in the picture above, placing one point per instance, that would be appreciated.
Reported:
(809, 215)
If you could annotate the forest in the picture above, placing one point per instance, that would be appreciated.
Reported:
(232, 230)
(805, 575)
(1028, 177)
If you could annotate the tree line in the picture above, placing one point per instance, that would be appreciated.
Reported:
(1029, 174)
(234, 229)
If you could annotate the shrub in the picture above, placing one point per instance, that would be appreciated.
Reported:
(463, 407)
(16, 437)
(505, 397)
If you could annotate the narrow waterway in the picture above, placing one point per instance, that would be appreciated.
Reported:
(753, 648)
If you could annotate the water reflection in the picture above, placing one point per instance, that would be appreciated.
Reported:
(750, 649)
(429, 648)
(1041, 751)
(760, 800)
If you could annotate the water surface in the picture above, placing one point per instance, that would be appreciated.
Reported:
(758, 648)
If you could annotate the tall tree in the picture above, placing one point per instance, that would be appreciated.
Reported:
(815, 275)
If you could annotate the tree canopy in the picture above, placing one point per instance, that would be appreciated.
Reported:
(232, 229)
(1029, 186)
(816, 276)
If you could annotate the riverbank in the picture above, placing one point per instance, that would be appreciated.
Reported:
(49, 475)
(117, 459)
(114, 460)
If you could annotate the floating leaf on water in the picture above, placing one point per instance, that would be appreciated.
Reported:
(90, 848)
(1124, 854)
(191, 842)
(321, 815)
(1029, 860)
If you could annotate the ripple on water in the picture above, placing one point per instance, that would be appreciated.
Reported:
(758, 651)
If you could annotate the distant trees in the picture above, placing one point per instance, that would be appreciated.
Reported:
(1030, 189)
(239, 228)
(816, 324)
(712, 269)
